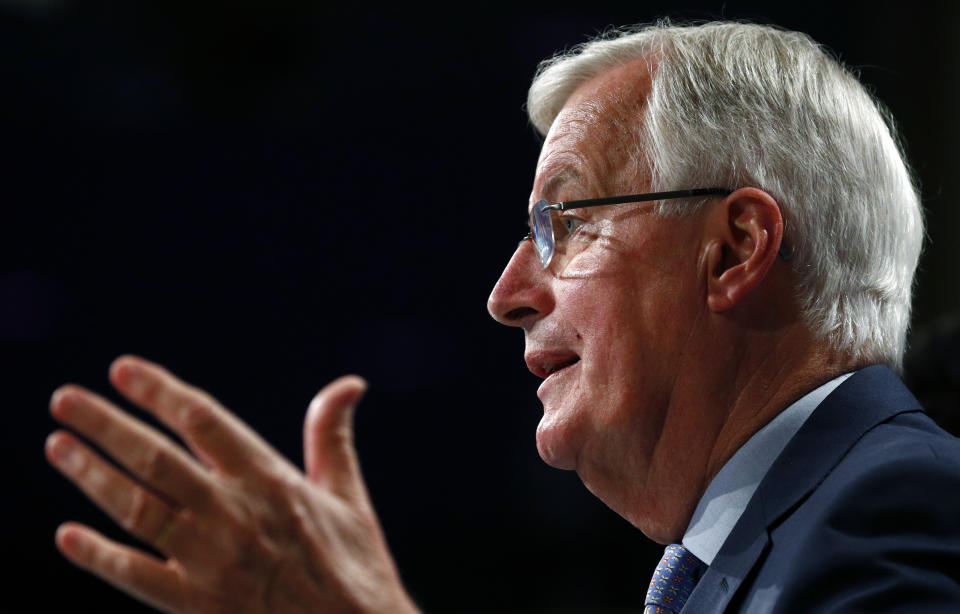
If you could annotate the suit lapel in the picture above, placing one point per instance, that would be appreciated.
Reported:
(869, 397)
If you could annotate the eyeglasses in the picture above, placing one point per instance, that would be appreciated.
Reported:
(541, 220)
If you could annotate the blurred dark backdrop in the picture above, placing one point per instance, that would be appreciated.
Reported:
(265, 195)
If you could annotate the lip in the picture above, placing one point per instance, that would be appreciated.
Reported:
(557, 378)
(543, 363)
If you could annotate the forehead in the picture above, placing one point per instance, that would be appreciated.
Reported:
(596, 134)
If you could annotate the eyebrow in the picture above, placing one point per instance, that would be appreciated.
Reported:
(558, 180)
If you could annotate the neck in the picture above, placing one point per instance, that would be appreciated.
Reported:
(770, 379)
(750, 379)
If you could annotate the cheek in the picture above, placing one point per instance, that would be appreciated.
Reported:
(587, 266)
(596, 254)
(602, 324)
(608, 324)
(630, 338)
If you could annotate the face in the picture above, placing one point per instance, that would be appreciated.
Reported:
(607, 324)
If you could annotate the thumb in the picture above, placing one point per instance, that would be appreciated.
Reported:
(328, 451)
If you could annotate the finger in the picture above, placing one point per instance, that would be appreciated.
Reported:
(152, 581)
(131, 505)
(148, 454)
(214, 434)
(329, 454)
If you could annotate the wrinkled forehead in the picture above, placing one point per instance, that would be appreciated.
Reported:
(595, 139)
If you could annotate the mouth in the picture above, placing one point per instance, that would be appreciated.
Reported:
(545, 364)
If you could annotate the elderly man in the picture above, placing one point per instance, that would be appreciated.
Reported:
(712, 356)
(723, 240)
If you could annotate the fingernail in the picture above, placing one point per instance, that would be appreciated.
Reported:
(57, 400)
(63, 533)
(64, 399)
(127, 377)
(65, 454)
(68, 539)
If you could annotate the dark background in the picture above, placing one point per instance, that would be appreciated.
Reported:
(265, 195)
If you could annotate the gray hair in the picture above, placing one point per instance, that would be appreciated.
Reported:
(736, 104)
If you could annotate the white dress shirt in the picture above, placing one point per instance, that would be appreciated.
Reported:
(730, 490)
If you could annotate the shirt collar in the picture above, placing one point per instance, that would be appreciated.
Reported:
(730, 491)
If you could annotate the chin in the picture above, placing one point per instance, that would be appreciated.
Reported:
(555, 444)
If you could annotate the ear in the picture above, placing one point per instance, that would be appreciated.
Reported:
(743, 238)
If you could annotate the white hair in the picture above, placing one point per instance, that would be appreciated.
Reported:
(735, 104)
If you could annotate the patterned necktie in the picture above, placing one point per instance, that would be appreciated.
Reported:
(673, 581)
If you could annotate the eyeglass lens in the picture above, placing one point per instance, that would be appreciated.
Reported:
(542, 227)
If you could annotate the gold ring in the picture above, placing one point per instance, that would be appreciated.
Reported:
(161, 539)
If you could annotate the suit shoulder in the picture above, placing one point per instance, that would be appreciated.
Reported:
(882, 530)
(909, 445)
(903, 472)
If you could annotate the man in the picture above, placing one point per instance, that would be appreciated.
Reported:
(707, 359)
(712, 362)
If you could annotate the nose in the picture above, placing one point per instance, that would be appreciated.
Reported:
(523, 293)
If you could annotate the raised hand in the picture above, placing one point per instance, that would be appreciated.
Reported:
(243, 530)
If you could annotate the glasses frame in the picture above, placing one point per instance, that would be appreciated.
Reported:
(541, 224)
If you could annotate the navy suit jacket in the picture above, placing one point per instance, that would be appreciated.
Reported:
(860, 513)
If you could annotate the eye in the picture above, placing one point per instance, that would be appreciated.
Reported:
(570, 223)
